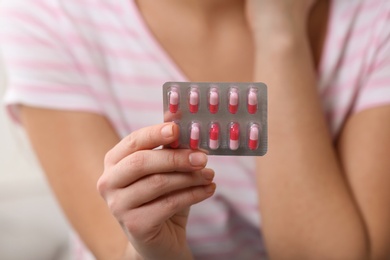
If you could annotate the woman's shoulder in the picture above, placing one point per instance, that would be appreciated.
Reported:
(79, 12)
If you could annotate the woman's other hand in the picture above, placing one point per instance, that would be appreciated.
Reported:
(150, 190)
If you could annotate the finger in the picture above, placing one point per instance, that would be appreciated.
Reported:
(144, 220)
(171, 117)
(145, 138)
(143, 163)
(157, 185)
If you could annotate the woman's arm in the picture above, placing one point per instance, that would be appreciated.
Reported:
(71, 147)
(317, 201)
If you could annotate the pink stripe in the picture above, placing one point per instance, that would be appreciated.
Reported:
(42, 89)
(370, 6)
(362, 32)
(243, 246)
(214, 219)
(90, 70)
(88, 45)
(384, 64)
(49, 65)
(28, 18)
(379, 83)
(227, 234)
(100, 5)
(240, 249)
(51, 10)
(222, 216)
(24, 40)
(86, 91)
(355, 57)
(105, 27)
(335, 89)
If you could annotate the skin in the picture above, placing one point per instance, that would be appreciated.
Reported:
(335, 194)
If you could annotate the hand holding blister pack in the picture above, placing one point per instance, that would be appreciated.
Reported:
(220, 118)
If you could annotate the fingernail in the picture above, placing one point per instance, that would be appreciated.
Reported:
(198, 159)
(210, 188)
(208, 174)
(167, 131)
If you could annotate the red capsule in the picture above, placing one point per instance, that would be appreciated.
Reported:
(194, 136)
(173, 101)
(252, 101)
(213, 100)
(234, 136)
(253, 142)
(233, 100)
(175, 144)
(214, 136)
(193, 100)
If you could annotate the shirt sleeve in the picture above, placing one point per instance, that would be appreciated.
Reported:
(376, 86)
(40, 68)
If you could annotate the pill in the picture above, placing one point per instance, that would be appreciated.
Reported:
(173, 101)
(252, 101)
(253, 142)
(233, 100)
(194, 136)
(234, 135)
(213, 100)
(214, 136)
(194, 100)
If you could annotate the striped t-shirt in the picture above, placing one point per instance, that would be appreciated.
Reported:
(99, 56)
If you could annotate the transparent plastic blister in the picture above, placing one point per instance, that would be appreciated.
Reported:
(222, 118)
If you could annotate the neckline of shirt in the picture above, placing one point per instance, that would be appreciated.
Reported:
(151, 42)
(140, 25)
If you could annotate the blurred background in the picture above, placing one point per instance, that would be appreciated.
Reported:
(32, 226)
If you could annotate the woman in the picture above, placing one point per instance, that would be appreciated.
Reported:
(90, 82)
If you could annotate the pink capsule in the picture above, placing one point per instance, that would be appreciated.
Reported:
(252, 101)
(233, 100)
(194, 100)
(234, 136)
(214, 136)
(173, 101)
(175, 144)
(194, 136)
(253, 142)
(213, 100)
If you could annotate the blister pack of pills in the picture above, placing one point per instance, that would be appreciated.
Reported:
(222, 118)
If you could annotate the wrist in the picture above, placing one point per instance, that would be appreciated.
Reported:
(280, 44)
(276, 19)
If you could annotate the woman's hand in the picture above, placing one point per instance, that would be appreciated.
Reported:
(150, 191)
